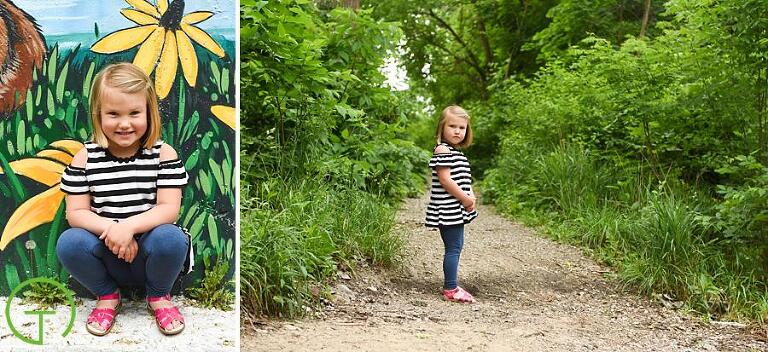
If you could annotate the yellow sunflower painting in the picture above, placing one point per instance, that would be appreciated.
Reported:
(46, 167)
(164, 35)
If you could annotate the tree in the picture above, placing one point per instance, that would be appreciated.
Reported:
(456, 49)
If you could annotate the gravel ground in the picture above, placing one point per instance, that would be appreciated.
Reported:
(134, 330)
(533, 295)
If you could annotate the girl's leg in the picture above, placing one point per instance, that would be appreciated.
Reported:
(90, 262)
(453, 239)
(163, 251)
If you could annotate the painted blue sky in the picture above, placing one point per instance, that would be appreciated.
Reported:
(59, 17)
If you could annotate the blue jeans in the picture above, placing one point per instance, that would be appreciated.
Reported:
(162, 252)
(453, 239)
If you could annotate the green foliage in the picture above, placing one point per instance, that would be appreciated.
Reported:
(454, 49)
(294, 237)
(214, 290)
(574, 20)
(44, 294)
(321, 136)
(651, 153)
(668, 246)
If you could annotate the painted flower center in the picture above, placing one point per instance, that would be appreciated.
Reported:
(171, 19)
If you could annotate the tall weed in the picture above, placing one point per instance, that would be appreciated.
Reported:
(668, 247)
(297, 234)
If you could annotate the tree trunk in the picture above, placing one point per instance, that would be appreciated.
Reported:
(646, 16)
(485, 43)
(352, 4)
(762, 84)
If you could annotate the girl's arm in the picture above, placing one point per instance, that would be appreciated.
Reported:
(79, 212)
(450, 186)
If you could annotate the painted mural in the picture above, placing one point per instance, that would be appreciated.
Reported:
(49, 53)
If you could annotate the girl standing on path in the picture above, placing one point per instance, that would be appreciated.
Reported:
(452, 201)
(123, 195)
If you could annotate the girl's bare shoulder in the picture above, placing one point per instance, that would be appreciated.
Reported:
(442, 149)
(80, 158)
(167, 152)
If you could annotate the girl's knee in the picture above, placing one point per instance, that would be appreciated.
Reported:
(73, 242)
(166, 239)
(166, 232)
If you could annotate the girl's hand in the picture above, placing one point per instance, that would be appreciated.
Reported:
(469, 203)
(133, 250)
(118, 237)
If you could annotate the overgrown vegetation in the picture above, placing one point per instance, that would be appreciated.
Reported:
(638, 132)
(324, 151)
(44, 294)
(214, 290)
(636, 129)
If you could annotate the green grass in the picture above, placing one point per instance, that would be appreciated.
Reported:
(214, 290)
(295, 235)
(44, 294)
(660, 236)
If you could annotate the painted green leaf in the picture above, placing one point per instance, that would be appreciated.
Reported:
(217, 174)
(197, 225)
(60, 81)
(213, 233)
(191, 162)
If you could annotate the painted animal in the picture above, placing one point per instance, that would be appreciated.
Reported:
(22, 49)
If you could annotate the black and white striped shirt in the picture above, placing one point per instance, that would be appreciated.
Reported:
(443, 208)
(123, 187)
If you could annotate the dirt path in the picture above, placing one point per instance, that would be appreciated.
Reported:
(533, 295)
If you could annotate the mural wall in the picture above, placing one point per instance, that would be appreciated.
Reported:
(49, 53)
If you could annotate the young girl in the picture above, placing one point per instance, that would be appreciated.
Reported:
(452, 202)
(123, 195)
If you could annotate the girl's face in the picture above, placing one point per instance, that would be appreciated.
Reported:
(123, 120)
(454, 129)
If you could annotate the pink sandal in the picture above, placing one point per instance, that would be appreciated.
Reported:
(165, 316)
(458, 294)
(105, 317)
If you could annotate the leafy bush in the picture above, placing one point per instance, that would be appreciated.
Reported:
(324, 150)
(297, 234)
(44, 294)
(214, 290)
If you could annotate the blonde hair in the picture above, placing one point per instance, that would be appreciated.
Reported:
(130, 79)
(456, 111)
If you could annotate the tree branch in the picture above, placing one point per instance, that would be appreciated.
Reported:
(473, 61)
